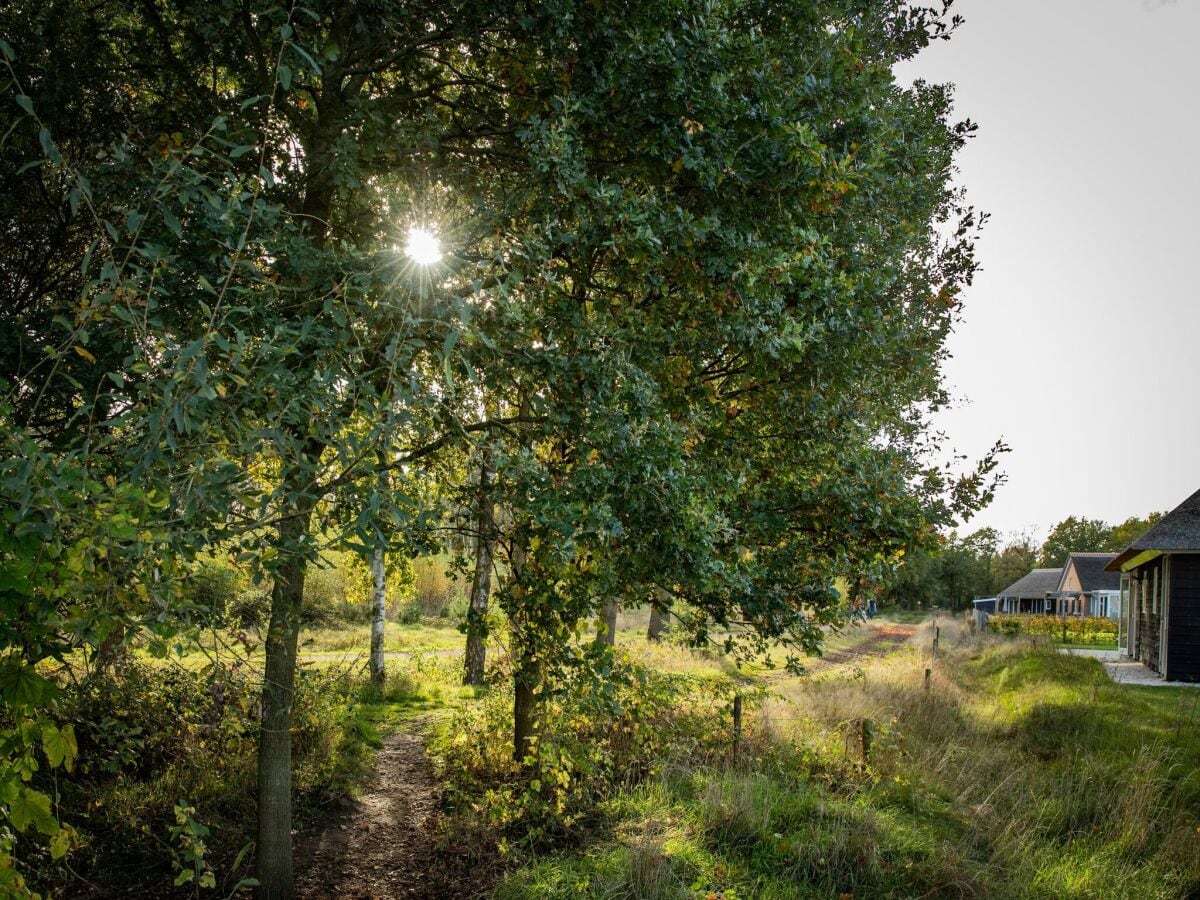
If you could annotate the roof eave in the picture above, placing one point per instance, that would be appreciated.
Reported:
(1131, 559)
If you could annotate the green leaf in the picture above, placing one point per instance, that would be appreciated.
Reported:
(25, 103)
(307, 58)
(60, 745)
(184, 877)
(48, 148)
(20, 685)
(60, 843)
(32, 808)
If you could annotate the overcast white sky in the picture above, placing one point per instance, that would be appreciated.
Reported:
(1081, 340)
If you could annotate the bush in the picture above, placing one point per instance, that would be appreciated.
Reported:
(155, 739)
(409, 612)
(1068, 629)
(435, 588)
(601, 733)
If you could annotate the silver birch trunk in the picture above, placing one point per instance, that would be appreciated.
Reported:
(481, 584)
(378, 615)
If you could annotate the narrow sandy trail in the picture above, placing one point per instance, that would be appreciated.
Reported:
(381, 845)
(884, 638)
(881, 640)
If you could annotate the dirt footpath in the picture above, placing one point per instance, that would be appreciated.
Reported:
(883, 639)
(381, 846)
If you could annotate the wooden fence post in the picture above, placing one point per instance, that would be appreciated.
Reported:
(928, 678)
(867, 735)
(737, 722)
(937, 636)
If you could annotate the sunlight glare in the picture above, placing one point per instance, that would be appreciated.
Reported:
(423, 246)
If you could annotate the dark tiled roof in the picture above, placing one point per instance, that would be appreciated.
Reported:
(1092, 574)
(1177, 530)
(1036, 584)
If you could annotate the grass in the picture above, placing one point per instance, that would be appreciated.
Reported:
(907, 616)
(427, 637)
(1021, 773)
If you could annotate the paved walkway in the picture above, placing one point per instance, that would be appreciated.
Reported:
(1123, 670)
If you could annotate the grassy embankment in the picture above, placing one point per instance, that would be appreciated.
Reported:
(1021, 772)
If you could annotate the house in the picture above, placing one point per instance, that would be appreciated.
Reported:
(1160, 574)
(986, 604)
(1086, 588)
(1030, 594)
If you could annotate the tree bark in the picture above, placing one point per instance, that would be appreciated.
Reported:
(526, 681)
(527, 674)
(658, 624)
(274, 848)
(606, 627)
(481, 584)
(378, 615)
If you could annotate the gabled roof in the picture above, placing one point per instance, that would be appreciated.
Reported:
(1092, 574)
(1036, 584)
(1177, 530)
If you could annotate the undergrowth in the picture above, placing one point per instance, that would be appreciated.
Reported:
(164, 782)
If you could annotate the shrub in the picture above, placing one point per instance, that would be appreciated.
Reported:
(1069, 629)
(157, 739)
(601, 733)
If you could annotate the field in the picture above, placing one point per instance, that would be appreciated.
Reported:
(1018, 772)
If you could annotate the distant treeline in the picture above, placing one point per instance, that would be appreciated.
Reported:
(956, 570)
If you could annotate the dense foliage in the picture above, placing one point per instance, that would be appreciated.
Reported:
(701, 262)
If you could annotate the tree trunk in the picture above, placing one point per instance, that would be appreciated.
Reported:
(606, 627)
(526, 681)
(378, 615)
(112, 652)
(274, 849)
(481, 584)
(658, 624)
(527, 674)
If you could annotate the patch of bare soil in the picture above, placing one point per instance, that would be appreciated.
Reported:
(384, 844)
(883, 640)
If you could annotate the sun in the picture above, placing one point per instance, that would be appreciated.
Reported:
(423, 246)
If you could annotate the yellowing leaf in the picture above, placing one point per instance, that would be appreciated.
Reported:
(84, 353)
(60, 842)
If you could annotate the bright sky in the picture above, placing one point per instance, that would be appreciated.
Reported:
(1081, 340)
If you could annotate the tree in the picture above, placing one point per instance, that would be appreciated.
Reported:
(1130, 530)
(223, 319)
(481, 582)
(1018, 556)
(1074, 535)
(723, 342)
(701, 264)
